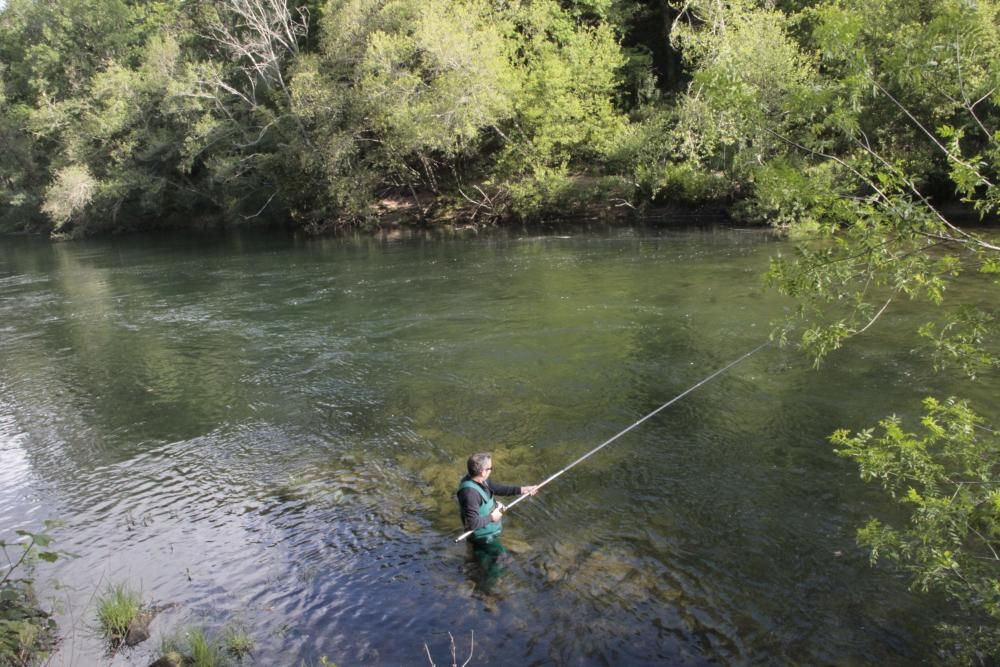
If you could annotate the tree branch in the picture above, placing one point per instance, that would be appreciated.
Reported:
(930, 135)
(877, 315)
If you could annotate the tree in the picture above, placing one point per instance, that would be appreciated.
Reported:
(949, 478)
(308, 109)
(399, 91)
(879, 111)
(746, 73)
(88, 90)
(453, 97)
(565, 119)
(878, 163)
(48, 51)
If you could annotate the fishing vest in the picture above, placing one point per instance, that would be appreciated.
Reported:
(492, 529)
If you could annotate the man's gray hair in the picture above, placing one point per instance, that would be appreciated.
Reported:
(478, 463)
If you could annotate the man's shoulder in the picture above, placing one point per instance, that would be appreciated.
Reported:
(466, 485)
(469, 491)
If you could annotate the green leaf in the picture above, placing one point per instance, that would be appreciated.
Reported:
(49, 556)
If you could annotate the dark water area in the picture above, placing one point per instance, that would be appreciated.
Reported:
(270, 430)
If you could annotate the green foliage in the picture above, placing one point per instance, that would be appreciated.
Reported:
(447, 72)
(555, 193)
(118, 609)
(564, 119)
(204, 651)
(399, 91)
(966, 340)
(844, 122)
(195, 647)
(51, 49)
(647, 151)
(831, 138)
(403, 92)
(27, 633)
(564, 106)
(814, 114)
(69, 195)
(845, 279)
(947, 480)
(237, 641)
(747, 73)
(125, 112)
(91, 109)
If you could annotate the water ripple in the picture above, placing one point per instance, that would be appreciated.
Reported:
(273, 432)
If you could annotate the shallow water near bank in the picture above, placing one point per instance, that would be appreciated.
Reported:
(269, 430)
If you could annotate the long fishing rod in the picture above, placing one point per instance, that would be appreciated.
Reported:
(621, 433)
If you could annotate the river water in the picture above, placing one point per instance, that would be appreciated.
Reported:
(269, 431)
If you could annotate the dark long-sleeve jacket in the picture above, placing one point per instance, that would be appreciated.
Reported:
(470, 500)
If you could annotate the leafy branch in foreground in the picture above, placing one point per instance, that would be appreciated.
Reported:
(27, 632)
(949, 478)
(873, 157)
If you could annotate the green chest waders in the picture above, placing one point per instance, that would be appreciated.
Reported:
(490, 531)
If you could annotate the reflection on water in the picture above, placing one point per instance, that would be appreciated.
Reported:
(271, 431)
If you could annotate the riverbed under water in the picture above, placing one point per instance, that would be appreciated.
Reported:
(269, 431)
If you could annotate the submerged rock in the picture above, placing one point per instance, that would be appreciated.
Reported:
(138, 631)
(516, 546)
(171, 659)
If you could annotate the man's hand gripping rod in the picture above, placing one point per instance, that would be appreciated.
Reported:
(621, 433)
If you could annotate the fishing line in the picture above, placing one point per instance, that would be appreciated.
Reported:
(621, 433)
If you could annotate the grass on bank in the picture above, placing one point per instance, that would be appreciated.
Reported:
(205, 651)
(192, 647)
(196, 648)
(237, 641)
(117, 611)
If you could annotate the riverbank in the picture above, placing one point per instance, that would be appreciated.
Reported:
(401, 215)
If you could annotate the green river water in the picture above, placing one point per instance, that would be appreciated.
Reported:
(270, 431)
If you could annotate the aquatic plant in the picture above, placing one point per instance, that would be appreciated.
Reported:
(238, 641)
(195, 647)
(171, 652)
(205, 652)
(118, 610)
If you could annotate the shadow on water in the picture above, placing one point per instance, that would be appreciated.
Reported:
(274, 430)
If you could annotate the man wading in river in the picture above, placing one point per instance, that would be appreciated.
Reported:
(483, 515)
